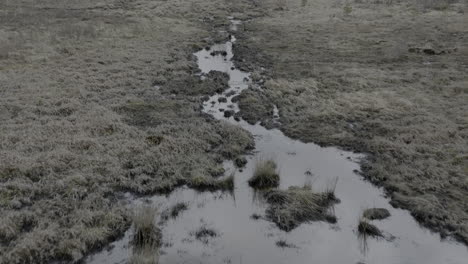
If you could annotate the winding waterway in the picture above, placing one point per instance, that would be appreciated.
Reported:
(242, 239)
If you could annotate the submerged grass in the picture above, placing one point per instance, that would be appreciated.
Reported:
(265, 175)
(289, 208)
(204, 233)
(178, 208)
(174, 211)
(284, 244)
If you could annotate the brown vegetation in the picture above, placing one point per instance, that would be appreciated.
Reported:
(95, 100)
(265, 175)
(387, 79)
(290, 208)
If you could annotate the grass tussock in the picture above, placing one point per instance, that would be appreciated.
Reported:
(145, 255)
(265, 175)
(289, 208)
(367, 229)
(204, 233)
(203, 183)
(146, 233)
(376, 213)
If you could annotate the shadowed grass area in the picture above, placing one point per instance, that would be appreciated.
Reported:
(265, 175)
(289, 208)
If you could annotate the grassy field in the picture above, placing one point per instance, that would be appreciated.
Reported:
(98, 98)
(387, 78)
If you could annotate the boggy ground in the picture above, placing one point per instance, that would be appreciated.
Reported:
(98, 98)
(387, 78)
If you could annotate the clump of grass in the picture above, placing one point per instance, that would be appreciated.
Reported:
(177, 208)
(331, 187)
(145, 255)
(289, 208)
(284, 244)
(265, 175)
(174, 211)
(366, 229)
(255, 216)
(204, 233)
(146, 233)
(376, 213)
(203, 183)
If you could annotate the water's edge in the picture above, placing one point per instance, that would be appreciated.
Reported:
(241, 239)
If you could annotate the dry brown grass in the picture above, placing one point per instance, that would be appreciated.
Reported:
(145, 255)
(146, 233)
(265, 175)
(203, 183)
(289, 208)
(146, 236)
(80, 121)
(360, 87)
(367, 229)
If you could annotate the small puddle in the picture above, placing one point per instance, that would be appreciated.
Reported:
(242, 239)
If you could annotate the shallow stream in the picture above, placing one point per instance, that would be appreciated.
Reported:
(242, 239)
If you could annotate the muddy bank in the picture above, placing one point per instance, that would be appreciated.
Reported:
(348, 75)
(96, 99)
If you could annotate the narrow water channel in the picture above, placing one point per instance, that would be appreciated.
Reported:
(242, 239)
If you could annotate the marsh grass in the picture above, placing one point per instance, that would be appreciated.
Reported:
(146, 233)
(204, 233)
(174, 211)
(178, 208)
(375, 213)
(265, 175)
(72, 184)
(207, 183)
(289, 208)
(367, 229)
(145, 255)
(284, 244)
(330, 188)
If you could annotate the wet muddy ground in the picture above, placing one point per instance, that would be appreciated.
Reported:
(239, 232)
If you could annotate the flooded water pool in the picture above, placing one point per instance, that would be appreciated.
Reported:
(241, 238)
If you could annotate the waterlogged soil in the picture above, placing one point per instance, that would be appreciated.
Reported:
(239, 232)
